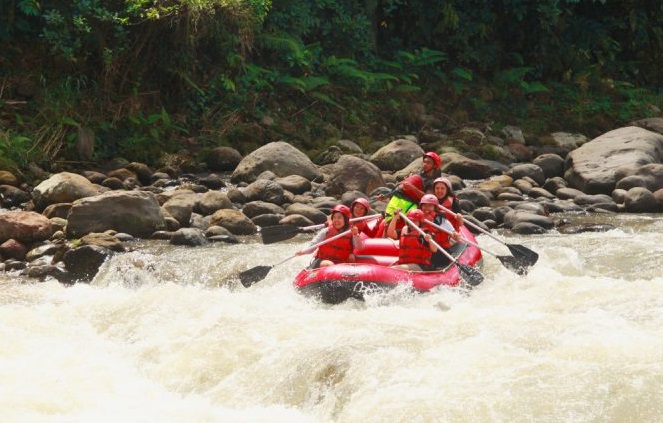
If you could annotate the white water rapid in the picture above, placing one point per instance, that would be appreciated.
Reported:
(168, 334)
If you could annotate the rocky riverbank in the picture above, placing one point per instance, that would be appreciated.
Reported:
(64, 225)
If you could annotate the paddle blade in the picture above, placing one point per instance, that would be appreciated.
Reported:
(516, 265)
(272, 234)
(253, 275)
(469, 274)
(526, 256)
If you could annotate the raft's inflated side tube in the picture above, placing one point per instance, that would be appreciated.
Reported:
(378, 247)
(334, 284)
(381, 260)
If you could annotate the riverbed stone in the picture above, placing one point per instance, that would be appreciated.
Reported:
(640, 200)
(591, 168)
(552, 165)
(264, 190)
(352, 173)
(64, 187)
(134, 212)
(84, 262)
(24, 226)
(312, 213)
(233, 220)
(279, 157)
(191, 237)
(294, 183)
(530, 170)
(256, 208)
(11, 196)
(397, 154)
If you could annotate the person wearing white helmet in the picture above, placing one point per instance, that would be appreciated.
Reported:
(445, 196)
(429, 205)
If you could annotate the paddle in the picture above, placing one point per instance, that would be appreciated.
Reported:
(272, 234)
(258, 273)
(510, 262)
(524, 256)
(469, 274)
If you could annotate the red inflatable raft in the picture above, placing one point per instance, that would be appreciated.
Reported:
(371, 272)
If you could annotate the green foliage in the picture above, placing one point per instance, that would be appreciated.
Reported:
(634, 102)
(148, 136)
(514, 82)
(116, 67)
(15, 149)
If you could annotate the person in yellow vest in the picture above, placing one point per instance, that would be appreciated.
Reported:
(340, 250)
(403, 198)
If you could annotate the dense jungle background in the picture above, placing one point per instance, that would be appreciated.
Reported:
(84, 81)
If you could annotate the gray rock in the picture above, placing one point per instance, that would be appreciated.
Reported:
(591, 168)
(279, 157)
(133, 212)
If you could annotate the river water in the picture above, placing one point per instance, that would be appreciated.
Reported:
(168, 334)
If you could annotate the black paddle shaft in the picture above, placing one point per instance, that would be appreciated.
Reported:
(258, 273)
(278, 233)
(525, 256)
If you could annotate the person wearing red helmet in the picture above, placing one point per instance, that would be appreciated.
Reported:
(340, 250)
(407, 194)
(430, 170)
(414, 250)
(360, 208)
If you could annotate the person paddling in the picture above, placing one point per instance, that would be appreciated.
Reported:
(429, 205)
(430, 170)
(414, 251)
(445, 196)
(360, 208)
(340, 250)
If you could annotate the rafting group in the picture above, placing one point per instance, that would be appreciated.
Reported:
(421, 233)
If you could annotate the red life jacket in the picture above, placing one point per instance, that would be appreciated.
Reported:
(411, 251)
(369, 228)
(448, 203)
(338, 250)
(441, 237)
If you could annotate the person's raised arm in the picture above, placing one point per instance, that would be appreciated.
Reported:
(391, 228)
(319, 237)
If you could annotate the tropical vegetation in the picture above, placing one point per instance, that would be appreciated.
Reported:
(142, 78)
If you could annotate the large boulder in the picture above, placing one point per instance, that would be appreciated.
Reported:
(464, 167)
(63, 187)
(591, 168)
(397, 154)
(352, 173)
(24, 226)
(233, 220)
(133, 212)
(278, 157)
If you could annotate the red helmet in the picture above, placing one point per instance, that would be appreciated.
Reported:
(415, 180)
(363, 202)
(343, 209)
(445, 181)
(429, 199)
(416, 214)
(435, 157)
